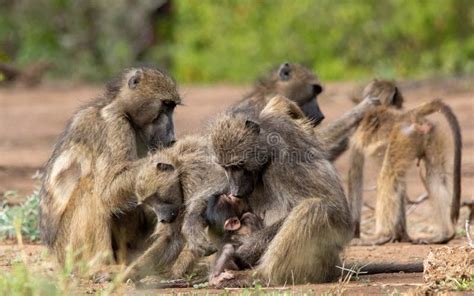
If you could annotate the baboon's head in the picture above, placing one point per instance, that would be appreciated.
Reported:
(387, 92)
(240, 148)
(223, 213)
(300, 85)
(158, 186)
(147, 97)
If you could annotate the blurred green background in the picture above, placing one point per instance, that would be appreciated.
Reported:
(203, 41)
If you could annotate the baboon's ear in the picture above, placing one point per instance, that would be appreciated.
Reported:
(232, 224)
(284, 71)
(397, 98)
(164, 167)
(135, 79)
(252, 125)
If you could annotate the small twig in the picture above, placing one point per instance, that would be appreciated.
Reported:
(421, 198)
(467, 226)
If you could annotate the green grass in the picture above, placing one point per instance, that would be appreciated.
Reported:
(25, 214)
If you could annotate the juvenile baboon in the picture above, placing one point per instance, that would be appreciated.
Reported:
(300, 85)
(396, 139)
(229, 219)
(91, 174)
(288, 181)
(188, 164)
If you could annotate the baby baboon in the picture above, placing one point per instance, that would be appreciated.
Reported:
(230, 219)
(301, 86)
(91, 174)
(289, 182)
(397, 139)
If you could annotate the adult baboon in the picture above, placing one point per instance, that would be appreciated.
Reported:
(289, 182)
(300, 85)
(397, 139)
(91, 174)
(293, 81)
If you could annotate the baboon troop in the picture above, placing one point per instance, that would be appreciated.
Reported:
(397, 139)
(258, 191)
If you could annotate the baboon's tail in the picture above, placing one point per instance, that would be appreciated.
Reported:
(456, 130)
(437, 105)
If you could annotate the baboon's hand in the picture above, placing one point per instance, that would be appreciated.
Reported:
(200, 244)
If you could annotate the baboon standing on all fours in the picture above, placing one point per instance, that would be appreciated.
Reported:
(397, 139)
(300, 85)
(91, 174)
(289, 182)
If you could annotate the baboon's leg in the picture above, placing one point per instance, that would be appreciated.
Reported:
(390, 219)
(157, 258)
(96, 245)
(355, 186)
(307, 247)
(439, 184)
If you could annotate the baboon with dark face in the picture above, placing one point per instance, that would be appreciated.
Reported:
(229, 219)
(188, 166)
(300, 85)
(292, 81)
(397, 139)
(288, 181)
(91, 174)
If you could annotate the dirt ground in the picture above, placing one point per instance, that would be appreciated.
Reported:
(32, 119)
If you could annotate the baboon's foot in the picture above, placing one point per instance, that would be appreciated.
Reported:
(380, 240)
(217, 280)
(232, 279)
(438, 239)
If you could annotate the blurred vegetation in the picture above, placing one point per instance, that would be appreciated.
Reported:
(209, 41)
(25, 214)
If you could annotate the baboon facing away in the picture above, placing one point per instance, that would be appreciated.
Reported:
(91, 174)
(288, 181)
(396, 139)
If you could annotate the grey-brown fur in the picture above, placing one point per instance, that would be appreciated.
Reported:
(297, 193)
(192, 171)
(303, 87)
(397, 139)
(91, 173)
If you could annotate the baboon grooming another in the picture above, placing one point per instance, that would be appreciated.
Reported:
(91, 174)
(397, 139)
(288, 181)
(300, 85)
